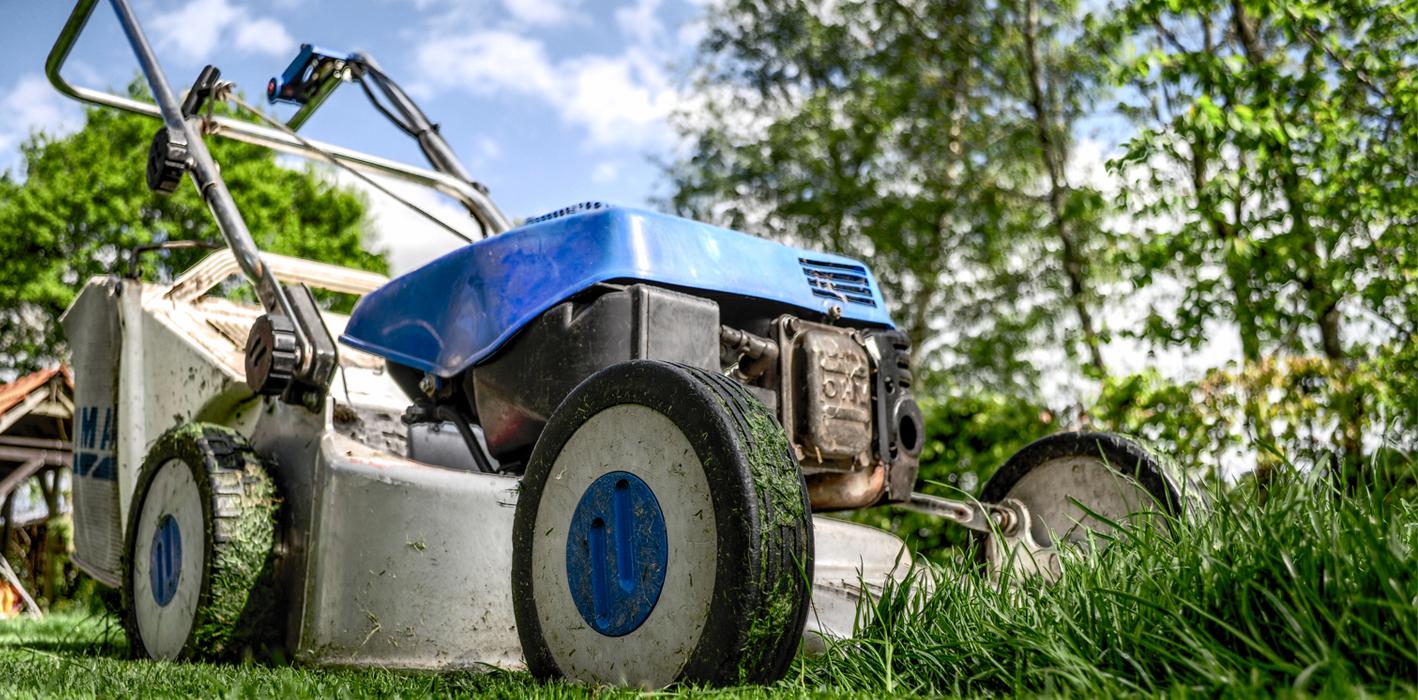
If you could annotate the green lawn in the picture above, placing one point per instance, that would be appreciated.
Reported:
(1299, 593)
(81, 656)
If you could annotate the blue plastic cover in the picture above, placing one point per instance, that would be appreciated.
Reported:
(616, 553)
(450, 314)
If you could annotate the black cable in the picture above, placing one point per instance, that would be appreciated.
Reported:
(389, 84)
(332, 160)
(447, 413)
(378, 105)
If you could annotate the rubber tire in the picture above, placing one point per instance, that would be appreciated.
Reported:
(764, 534)
(1179, 497)
(1123, 454)
(238, 603)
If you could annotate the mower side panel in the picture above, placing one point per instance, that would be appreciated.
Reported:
(94, 330)
(457, 310)
(408, 564)
(142, 368)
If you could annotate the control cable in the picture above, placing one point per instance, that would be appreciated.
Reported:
(226, 92)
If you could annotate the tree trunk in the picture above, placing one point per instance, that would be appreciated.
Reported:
(1319, 296)
(54, 545)
(1052, 152)
(8, 513)
(1256, 403)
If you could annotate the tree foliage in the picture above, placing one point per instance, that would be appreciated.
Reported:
(1275, 156)
(908, 133)
(1264, 190)
(81, 205)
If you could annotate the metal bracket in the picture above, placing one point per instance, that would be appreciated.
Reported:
(309, 79)
(974, 515)
(318, 365)
(202, 92)
(1007, 526)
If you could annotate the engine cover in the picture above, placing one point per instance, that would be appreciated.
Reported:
(461, 310)
(836, 396)
(516, 392)
(826, 404)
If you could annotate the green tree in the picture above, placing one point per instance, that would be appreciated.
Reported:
(928, 137)
(1275, 151)
(1062, 78)
(81, 205)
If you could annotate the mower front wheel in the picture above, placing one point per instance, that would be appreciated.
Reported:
(198, 556)
(662, 535)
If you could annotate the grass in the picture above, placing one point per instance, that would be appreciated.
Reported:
(1293, 592)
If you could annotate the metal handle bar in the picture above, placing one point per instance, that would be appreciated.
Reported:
(980, 517)
(201, 166)
(237, 130)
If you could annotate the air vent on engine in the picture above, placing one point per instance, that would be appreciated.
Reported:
(839, 281)
(581, 208)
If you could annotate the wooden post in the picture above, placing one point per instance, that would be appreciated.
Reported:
(15, 581)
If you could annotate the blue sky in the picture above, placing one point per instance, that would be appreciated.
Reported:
(549, 102)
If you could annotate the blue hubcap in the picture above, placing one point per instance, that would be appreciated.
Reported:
(165, 560)
(616, 553)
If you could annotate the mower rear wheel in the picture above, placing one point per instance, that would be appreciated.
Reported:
(197, 576)
(1074, 484)
(663, 534)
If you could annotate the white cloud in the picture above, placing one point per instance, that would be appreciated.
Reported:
(605, 172)
(488, 149)
(639, 21)
(265, 36)
(489, 61)
(621, 100)
(1088, 164)
(410, 240)
(549, 13)
(201, 26)
(692, 32)
(33, 104)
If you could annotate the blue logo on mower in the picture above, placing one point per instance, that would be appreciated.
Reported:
(616, 553)
(165, 560)
(93, 457)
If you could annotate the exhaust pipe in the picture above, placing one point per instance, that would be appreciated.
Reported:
(847, 490)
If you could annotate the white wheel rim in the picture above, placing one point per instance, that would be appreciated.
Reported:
(635, 439)
(1054, 490)
(165, 627)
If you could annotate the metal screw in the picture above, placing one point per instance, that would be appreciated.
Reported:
(834, 312)
(1004, 520)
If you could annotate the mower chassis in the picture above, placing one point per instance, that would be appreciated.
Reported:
(384, 561)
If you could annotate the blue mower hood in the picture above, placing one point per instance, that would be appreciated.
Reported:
(459, 309)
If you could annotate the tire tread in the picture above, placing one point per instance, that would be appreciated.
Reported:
(237, 602)
(775, 651)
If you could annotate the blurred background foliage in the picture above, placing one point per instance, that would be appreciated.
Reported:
(79, 205)
(1238, 283)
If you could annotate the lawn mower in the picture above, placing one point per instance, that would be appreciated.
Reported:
(596, 445)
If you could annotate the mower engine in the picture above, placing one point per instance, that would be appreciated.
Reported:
(810, 346)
